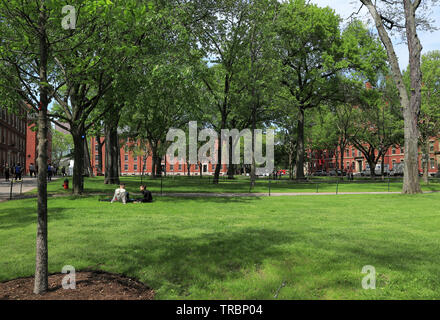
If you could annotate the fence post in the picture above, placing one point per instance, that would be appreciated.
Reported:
(337, 186)
(21, 187)
(161, 182)
(10, 193)
(388, 183)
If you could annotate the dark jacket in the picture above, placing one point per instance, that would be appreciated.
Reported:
(147, 196)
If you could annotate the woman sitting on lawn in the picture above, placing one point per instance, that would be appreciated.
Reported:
(147, 196)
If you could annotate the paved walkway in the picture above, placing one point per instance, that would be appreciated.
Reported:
(31, 183)
(17, 187)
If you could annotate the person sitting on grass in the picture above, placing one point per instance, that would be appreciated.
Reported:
(121, 194)
(147, 196)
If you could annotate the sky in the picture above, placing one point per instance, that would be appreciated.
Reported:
(430, 40)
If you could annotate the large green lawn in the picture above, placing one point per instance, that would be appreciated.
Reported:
(241, 185)
(240, 248)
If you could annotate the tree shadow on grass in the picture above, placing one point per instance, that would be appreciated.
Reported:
(199, 260)
(21, 217)
(208, 199)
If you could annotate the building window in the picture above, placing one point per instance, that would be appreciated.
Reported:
(126, 158)
(348, 153)
(135, 167)
(180, 167)
(431, 146)
(213, 167)
(135, 158)
(172, 167)
(393, 150)
(125, 167)
(96, 158)
(432, 162)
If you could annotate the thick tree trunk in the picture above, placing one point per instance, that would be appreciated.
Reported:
(87, 162)
(153, 159)
(112, 168)
(372, 169)
(231, 166)
(410, 106)
(99, 143)
(411, 112)
(300, 146)
(382, 167)
(41, 256)
(219, 153)
(158, 166)
(342, 148)
(425, 155)
(41, 268)
(78, 167)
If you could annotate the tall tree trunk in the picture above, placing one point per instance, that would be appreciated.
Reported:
(411, 182)
(300, 146)
(87, 162)
(112, 158)
(410, 105)
(153, 159)
(78, 167)
(219, 152)
(382, 167)
(99, 143)
(342, 150)
(372, 169)
(41, 256)
(425, 153)
(158, 166)
(231, 166)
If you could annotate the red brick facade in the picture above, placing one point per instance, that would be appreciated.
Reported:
(12, 138)
(355, 161)
(131, 164)
(32, 146)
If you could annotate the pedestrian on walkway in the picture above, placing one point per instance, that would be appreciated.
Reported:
(32, 170)
(18, 171)
(49, 172)
(7, 171)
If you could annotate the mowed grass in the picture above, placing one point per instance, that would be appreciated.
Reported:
(240, 248)
(182, 184)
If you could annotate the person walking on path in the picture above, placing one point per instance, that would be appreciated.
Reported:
(49, 172)
(18, 171)
(63, 171)
(7, 171)
(32, 170)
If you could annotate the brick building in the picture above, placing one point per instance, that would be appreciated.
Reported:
(12, 137)
(32, 145)
(354, 159)
(131, 164)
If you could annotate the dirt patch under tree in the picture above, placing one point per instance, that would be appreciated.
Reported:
(90, 285)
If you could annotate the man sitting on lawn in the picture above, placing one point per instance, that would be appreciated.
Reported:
(120, 194)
